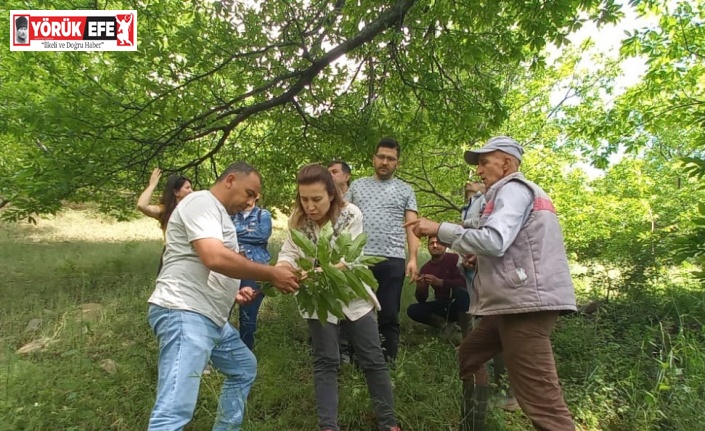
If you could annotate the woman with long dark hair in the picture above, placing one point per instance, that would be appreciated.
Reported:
(318, 201)
(177, 187)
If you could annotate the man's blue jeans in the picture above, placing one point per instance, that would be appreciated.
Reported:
(187, 340)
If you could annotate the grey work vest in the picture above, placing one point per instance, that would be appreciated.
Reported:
(533, 275)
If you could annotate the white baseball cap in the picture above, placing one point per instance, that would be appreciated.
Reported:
(504, 144)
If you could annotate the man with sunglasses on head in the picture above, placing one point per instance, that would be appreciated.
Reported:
(387, 203)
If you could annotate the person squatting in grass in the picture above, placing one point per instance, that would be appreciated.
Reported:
(386, 203)
(451, 300)
(521, 285)
(253, 227)
(177, 187)
(194, 294)
(319, 201)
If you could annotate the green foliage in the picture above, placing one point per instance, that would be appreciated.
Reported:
(279, 84)
(691, 244)
(647, 141)
(664, 111)
(695, 168)
(637, 364)
(340, 274)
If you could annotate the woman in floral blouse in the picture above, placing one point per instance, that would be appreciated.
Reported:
(318, 201)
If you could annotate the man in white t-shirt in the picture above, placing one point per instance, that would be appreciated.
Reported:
(196, 288)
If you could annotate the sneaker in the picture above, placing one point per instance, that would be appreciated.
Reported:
(208, 369)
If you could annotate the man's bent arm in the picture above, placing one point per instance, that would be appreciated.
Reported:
(216, 257)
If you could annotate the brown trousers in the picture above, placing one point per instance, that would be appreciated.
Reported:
(525, 342)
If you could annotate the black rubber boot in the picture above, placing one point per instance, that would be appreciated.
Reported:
(465, 322)
(473, 408)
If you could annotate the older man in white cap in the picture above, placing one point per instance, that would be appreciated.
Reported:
(522, 284)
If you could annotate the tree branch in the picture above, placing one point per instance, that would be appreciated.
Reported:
(384, 21)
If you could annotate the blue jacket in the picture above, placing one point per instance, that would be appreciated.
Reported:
(253, 233)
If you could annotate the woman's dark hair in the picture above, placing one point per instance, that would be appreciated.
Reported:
(312, 174)
(168, 199)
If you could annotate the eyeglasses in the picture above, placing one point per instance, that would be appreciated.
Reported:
(382, 157)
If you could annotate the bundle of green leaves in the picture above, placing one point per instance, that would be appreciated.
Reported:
(333, 272)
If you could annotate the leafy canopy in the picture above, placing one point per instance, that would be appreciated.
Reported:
(278, 84)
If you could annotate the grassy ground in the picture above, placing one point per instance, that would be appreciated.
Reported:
(79, 284)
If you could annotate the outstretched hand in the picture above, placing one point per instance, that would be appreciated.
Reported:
(423, 227)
